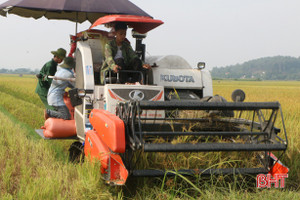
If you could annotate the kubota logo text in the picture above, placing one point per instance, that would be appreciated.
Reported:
(174, 78)
(136, 95)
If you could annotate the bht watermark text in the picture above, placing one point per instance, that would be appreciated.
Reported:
(278, 180)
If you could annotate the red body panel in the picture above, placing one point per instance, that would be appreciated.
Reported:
(111, 164)
(110, 129)
(278, 167)
(96, 149)
(118, 171)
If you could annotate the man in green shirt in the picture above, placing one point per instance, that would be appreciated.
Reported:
(48, 69)
(120, 55)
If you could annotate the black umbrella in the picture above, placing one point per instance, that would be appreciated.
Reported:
(73, 10)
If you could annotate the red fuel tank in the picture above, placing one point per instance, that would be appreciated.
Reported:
(110, 128)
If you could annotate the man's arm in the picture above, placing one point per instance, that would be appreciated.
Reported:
(45, 72)
(69, 76)
(71, 84)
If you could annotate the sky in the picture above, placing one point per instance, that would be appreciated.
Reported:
(217, 32)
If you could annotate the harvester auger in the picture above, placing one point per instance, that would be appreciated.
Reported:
(172, 113)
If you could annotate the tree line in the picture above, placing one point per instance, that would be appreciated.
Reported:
(267, 68)
(19, 71)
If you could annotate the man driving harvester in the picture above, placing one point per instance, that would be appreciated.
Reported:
(119, 55)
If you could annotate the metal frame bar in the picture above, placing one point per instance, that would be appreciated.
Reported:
(204, 147)
(196, 105)
(206, 133)
(192, 172)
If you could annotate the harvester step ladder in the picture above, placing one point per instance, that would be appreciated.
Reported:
(204, 147)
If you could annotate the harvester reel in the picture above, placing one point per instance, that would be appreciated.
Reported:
(252, 132)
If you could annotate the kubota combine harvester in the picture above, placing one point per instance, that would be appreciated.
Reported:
(173, 110)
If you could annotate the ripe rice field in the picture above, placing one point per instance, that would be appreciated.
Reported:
(32, 168)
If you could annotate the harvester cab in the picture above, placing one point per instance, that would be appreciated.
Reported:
(172, 110)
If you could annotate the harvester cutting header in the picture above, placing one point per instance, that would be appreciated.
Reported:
(170, 109)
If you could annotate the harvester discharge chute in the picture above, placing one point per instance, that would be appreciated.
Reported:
(194, 126)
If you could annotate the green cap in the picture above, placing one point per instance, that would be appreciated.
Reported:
(61, 53)
(69, 63)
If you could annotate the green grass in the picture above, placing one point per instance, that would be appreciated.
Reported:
(30, 169)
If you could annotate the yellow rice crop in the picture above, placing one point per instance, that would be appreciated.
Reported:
(18, 98)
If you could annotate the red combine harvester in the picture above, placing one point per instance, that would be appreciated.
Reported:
(173, 110)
